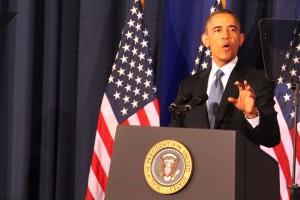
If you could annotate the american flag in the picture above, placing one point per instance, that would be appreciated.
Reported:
(130, 97)
(284, 97)
(203, 59)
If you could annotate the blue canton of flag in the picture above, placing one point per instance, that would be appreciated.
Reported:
(203, 59)
(289, 70)
(131, 83)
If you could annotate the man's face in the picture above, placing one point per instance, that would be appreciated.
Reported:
(223, 37)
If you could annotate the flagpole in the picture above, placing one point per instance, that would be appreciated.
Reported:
(295, 187)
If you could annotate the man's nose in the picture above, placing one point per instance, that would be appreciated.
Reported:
(225, 34)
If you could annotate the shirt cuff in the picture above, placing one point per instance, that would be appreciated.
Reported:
(254, 121)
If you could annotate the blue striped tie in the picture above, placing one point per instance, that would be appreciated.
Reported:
(215, 95)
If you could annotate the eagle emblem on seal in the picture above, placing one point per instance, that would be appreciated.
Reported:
(168, 164)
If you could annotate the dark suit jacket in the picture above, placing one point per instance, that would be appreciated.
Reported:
(229, 117)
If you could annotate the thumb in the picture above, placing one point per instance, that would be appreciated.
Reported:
(232, 100)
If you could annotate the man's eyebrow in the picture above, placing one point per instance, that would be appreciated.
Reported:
(216, 27)
(230, 26)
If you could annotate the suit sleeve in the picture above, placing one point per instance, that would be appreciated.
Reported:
(267, 132)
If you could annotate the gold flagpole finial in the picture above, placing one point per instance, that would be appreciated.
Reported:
(142, 4)
(223, 4)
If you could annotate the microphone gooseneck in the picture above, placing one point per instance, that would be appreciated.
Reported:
(198, 100)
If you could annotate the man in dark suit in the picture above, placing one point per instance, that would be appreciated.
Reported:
(246, 102)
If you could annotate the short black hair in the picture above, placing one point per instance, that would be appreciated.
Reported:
(221, 11)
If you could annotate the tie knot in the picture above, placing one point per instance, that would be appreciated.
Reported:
(219, 74)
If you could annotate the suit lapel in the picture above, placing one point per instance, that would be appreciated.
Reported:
(202, 87)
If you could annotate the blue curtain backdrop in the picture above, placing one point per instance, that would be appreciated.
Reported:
(55, 59)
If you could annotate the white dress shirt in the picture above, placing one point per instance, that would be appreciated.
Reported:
(227, 69)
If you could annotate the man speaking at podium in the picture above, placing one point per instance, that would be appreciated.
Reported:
(239, 97)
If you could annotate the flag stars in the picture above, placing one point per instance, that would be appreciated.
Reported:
(130, 75)
(124, 111)
(145, 32)
(140, 67)
(128, 88)
(150, 60)
(204, 65)
(207, 52)
(296, 60)
(201, 48)
(128, 35)
(292, 114)
(293, 72)
(287, 97)
(138, 27)
(134, 51)
(145, 96)
(126, 99)
(133, 10)
(138, 80)
(136, 39)
(288, 85)
(147, 83)
(121, 71)
(280, 79)
(136, 91)
(144, 43)
(110, 79)
(126, 47)
(213, 9)
(119, 83)
(149, 72)
(134, 104)
(197, 61)
(130, 23)
(283, 67)
(124, 59)
(154, 89)
(117, 95)
(287, 56)
(132, 64)
(298, 48)
(141, 56)
(140, 15)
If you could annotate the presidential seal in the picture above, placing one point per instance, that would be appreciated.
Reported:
(168, 167)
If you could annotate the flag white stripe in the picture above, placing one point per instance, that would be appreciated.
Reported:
(94, 186)
(134, 120)
(152, 114)
(102, 153)
(285, 135)
(109, 116)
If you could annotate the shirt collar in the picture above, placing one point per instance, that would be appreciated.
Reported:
(227, 69)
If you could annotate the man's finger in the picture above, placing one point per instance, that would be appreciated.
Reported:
(232, 100)
(248, 87)
(239, 85)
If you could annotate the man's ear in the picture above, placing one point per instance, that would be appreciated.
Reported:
(242, 38)
(204, 39)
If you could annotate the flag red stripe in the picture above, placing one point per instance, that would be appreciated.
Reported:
(105, 134)
(283, 162)
(89, 195)
(126, 122)
(99, 172)
(143, 117)
(298, 142)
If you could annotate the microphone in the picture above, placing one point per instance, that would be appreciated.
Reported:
(198, 100)
(182, 99)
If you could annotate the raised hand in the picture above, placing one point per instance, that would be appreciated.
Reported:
(246, 100)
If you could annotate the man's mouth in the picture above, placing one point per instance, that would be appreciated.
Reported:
(226, 46)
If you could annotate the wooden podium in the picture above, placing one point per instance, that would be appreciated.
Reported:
(226, 166)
